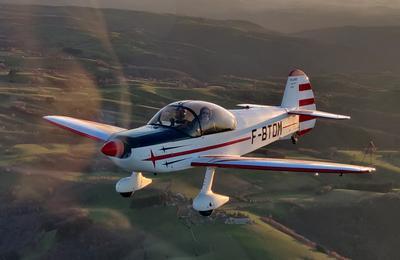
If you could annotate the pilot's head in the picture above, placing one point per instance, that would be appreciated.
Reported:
(180, 113)
(205, 114)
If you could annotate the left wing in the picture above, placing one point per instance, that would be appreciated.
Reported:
(93, 130)
(272, 164)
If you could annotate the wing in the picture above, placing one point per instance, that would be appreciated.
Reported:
(271, 164)
(93, 130)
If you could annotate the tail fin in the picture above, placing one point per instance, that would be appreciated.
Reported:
(298, 94)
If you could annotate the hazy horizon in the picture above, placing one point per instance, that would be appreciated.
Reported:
(285, 16)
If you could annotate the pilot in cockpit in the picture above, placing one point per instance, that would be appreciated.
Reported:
(205, 117)
(195, 118)
(180, 118)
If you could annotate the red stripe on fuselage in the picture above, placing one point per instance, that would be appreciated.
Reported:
(303, 87)
(289, 125)
(305, 102)
(198, 150)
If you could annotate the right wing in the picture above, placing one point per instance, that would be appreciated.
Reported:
(272, 164)
(93, 130)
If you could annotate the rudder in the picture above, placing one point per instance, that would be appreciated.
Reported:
(298, 94)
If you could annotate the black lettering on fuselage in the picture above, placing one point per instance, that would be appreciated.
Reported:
(264, 133)
(274, 130)
(253, 135)
(280, 128)
(267, 132)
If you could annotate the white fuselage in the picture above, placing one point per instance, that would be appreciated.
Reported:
(256, 127)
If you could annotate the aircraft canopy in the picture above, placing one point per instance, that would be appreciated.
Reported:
(195, 118)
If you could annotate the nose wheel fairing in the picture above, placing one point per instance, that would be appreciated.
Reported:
(206, 201)
(126, 186)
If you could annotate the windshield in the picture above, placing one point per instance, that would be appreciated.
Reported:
(178, 117)
(195, 118)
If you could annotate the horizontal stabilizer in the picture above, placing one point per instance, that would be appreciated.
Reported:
(272, 164)
(317, 114)
(249, 105)
(93, 130)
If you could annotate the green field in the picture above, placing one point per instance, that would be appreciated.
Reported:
(68, 169)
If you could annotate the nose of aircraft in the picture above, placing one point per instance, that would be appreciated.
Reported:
(113, 148)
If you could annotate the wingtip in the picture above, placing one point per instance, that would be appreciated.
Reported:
(47, 118)
(369, 170)
(52, 118)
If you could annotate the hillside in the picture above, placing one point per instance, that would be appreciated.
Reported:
(284, 16)
(119, 67)
(202, 48)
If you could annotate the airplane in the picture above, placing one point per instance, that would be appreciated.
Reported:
(192, 133)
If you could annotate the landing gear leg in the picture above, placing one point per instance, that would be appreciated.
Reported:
(206, 201)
